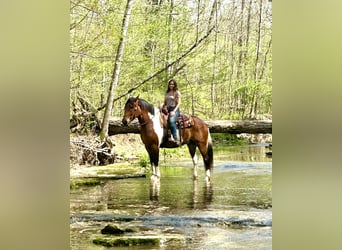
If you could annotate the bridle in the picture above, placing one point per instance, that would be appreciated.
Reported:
(137, 109)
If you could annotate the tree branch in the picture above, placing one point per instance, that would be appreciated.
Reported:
(188, 51)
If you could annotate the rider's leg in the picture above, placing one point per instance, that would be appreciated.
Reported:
(173, 126)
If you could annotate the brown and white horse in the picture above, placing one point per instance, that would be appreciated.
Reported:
(152, 133)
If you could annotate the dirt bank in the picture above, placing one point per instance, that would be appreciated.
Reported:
(84, 150)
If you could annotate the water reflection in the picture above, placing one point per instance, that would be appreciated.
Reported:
(206, 194)
(251, 153)
(154, 190)
(201, 195)
(233, 184)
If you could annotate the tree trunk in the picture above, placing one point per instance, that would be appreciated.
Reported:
(258, 43)
(215, 126)
(197, 19)
(240, 40)
(170, 37)
(213, 94)
(253, 104)
(248, 26)
(230, 57)
(265, 60)
(116, 71)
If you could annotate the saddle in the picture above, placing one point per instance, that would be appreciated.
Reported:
(184, 121)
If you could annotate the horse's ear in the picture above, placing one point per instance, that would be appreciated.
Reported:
(136, 100)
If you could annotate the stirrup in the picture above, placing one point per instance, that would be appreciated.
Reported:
(178, 142)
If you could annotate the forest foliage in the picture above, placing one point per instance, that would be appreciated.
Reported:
(218, 51)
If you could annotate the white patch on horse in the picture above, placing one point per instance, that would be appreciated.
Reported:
(156, 124)
(209, 141)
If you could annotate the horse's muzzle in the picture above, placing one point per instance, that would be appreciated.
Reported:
(124, 122)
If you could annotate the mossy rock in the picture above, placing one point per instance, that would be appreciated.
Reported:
(77, 183)
(110, 242)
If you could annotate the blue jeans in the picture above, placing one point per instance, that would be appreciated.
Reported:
(172, 120)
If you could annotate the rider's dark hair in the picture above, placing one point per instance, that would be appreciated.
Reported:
(175, 88)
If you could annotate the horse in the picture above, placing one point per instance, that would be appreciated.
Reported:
(153, 136)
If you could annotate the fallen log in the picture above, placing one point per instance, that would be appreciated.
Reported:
(240, 126)
(215, 126)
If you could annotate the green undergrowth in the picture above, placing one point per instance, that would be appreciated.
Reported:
(167, 154)
(226, 139)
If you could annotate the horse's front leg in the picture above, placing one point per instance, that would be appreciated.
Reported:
(153, 152)
(155, 172)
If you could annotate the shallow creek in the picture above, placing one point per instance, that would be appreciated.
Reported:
(234, 211)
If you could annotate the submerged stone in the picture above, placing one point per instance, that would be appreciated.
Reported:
(109, 229)
(112, 230)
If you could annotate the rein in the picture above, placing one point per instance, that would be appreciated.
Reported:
(143, 123)
(141, 118)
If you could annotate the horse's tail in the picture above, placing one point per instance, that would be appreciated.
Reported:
(210, 160)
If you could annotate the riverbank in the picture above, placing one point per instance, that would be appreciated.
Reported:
(129, 152)
(95, 175)
(85, 148)
(129, 148)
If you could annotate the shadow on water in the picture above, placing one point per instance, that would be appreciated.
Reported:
(234, 211)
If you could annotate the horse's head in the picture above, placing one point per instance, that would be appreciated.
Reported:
(132, 110)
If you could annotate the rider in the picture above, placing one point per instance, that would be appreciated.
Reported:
(172, 101)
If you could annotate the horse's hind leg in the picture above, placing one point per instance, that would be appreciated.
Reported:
(207, 160)
(192, 151)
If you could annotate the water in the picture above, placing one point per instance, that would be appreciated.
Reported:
(234, 212)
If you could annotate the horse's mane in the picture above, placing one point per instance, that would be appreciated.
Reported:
(144, 104)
